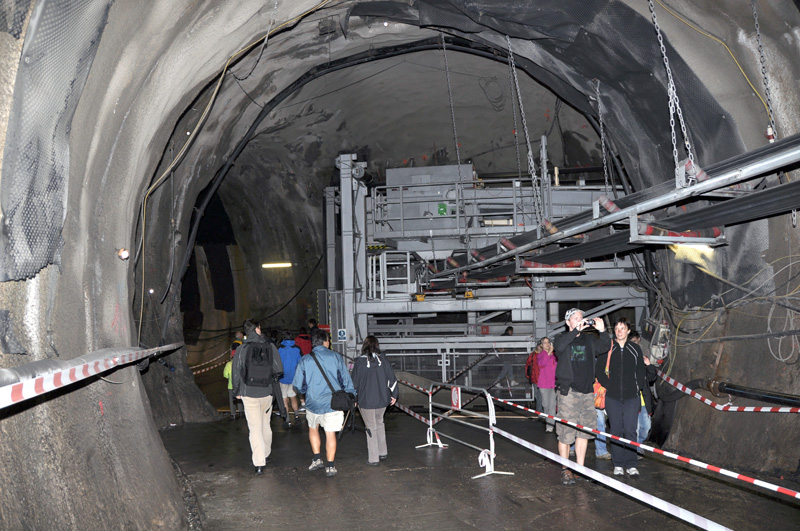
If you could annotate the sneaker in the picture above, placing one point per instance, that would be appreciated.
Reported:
(370, 463)
(567, 477)
(632, 471)
(382, 457)
(316, 464)
(618, 471)
(604, 456)
(330, 471)
(548, 429)
(286, 424)
(302, 409)
(514, 383)
(259, 470)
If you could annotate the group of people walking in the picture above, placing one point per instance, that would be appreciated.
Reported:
(259, 371)
(563, 373)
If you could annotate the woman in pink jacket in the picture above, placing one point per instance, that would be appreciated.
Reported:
(547, 361)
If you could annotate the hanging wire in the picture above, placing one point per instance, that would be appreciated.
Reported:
(535, 180)
(514, 112)
(261, 51)
(452, 110)
(602, 134)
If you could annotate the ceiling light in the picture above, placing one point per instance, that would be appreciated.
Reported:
(274, 265)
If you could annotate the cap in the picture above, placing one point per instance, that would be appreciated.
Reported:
(571, 312)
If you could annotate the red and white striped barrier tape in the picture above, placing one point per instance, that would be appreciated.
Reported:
(415, 386)
(18, 392)
(677, 385)
(417, 416)
(220, 364)
(658, 503)
(211, 360)
(633, 492)
(693, 462)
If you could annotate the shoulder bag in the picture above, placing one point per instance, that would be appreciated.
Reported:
(341, 400)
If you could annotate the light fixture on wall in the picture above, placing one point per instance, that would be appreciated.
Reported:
(123, 254)
(275, 265)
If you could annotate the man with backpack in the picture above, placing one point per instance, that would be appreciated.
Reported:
(256, 368)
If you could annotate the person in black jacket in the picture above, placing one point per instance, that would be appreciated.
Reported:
(376, 388)
(256, 393)
(625, 380)
(576, 353)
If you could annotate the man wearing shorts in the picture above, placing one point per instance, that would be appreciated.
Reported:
(309, 380)
(290, 355)
(576, 354)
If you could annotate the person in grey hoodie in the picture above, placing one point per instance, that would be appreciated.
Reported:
(252, 381)
(376, 388)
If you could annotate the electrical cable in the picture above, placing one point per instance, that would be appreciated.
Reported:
(705, 33)
(193, 135)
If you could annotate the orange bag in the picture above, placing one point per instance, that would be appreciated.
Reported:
(599, 390)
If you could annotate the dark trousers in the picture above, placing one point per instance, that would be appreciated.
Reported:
(623, 418)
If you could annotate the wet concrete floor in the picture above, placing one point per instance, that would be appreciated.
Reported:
(431, 488)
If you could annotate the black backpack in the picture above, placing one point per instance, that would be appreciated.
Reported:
(257, 365)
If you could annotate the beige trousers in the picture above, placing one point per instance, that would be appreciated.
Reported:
(258, 412)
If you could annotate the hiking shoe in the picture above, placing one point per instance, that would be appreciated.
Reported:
(548, 429)
(259, 470)
(604, 456)
(382, 457)
(632, 471)
(618, 471)
(567, 477)
(316, 464)
(330, 471)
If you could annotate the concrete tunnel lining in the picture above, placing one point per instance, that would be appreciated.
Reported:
(125, 122)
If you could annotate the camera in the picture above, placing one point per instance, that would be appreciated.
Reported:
(588, 322)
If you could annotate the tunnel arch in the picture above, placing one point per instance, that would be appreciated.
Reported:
(147, 87)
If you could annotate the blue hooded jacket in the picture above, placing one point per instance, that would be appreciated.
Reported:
(290, 355)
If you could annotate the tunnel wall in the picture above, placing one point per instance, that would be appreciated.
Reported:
(91, 457)
(105, 464)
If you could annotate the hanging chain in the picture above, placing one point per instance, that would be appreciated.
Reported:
(602, 135)
(674, 102)
(537, 196)
(514, 112)
(764, 70)
(452, 111)
(768, 96)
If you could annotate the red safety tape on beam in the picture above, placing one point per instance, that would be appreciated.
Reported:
(677, 385)
(693, 462)
(633, 492)
(25, 390)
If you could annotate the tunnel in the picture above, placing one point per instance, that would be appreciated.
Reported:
(155, 156)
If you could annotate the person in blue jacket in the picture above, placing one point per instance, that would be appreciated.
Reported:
(290, 355)
(309, 381)
(376, 386)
